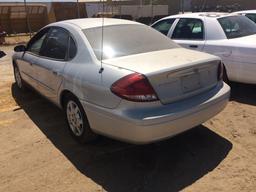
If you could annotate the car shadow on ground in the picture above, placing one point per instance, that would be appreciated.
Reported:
(170, 165)
(243, 93)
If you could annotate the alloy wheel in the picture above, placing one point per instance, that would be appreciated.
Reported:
(75, 119)
(17, 77)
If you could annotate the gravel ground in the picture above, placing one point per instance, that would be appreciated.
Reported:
(38, 154)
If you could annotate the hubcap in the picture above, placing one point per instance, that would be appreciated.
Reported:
(75, 119)
(17, 77)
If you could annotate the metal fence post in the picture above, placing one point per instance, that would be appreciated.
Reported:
(78, 8)
(27, 19)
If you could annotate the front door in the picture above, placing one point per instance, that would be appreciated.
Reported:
(30, 58)
(26, 68)
(52, 61)
(164, 26)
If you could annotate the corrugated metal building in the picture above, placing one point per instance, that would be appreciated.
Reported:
(18, 18)
(13, 18)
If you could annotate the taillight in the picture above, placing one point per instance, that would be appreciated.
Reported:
(220, 71)
(134, 87)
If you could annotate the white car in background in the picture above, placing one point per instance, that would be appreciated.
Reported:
(251, 14)
(229, 36)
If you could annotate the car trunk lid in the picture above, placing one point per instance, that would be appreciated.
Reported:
(174, 74)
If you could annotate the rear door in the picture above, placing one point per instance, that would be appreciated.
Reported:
(53, 58)
(189, 33)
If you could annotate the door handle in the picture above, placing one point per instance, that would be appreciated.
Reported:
(193, 46)
(227, 53)
(55, 72)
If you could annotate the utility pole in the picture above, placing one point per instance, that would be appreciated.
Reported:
(152, 10)
(182, 6)
(78, 8)
(27, 19)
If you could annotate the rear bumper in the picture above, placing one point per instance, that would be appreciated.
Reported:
(141, 126)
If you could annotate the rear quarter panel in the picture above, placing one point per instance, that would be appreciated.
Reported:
(239, 60)
(85, 81)
(82, 76)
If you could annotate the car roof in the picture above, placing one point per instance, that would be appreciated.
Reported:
(200, 15)
(87, 23)
(247, 11)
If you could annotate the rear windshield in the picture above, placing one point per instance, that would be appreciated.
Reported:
(124, 40)
(251, 16)
(237, 26)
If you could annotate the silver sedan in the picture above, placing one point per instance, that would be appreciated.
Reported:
(125, 81)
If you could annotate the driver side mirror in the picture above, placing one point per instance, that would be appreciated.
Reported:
(2, 54)
(20, 48)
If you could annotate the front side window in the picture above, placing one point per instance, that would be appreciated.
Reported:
(189, 29)
(251, 16)
(35, 44)
(237, 26)
(164, 26)
(56, 45)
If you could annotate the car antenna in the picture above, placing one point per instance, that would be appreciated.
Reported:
(102, 36)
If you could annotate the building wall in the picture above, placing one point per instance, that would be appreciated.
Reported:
(174, 5)
(226, 5)
(71, 11)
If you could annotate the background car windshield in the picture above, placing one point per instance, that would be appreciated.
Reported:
(237, 26)
(124, 40)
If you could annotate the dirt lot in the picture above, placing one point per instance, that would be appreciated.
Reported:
(38, 154)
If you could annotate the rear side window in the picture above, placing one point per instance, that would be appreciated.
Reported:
(56, 45)
(252, 17)
(72, 48)
(189, 29)
(237, 26)
(164, 26)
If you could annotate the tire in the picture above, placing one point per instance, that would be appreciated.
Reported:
(77, 121)
(18, 79)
